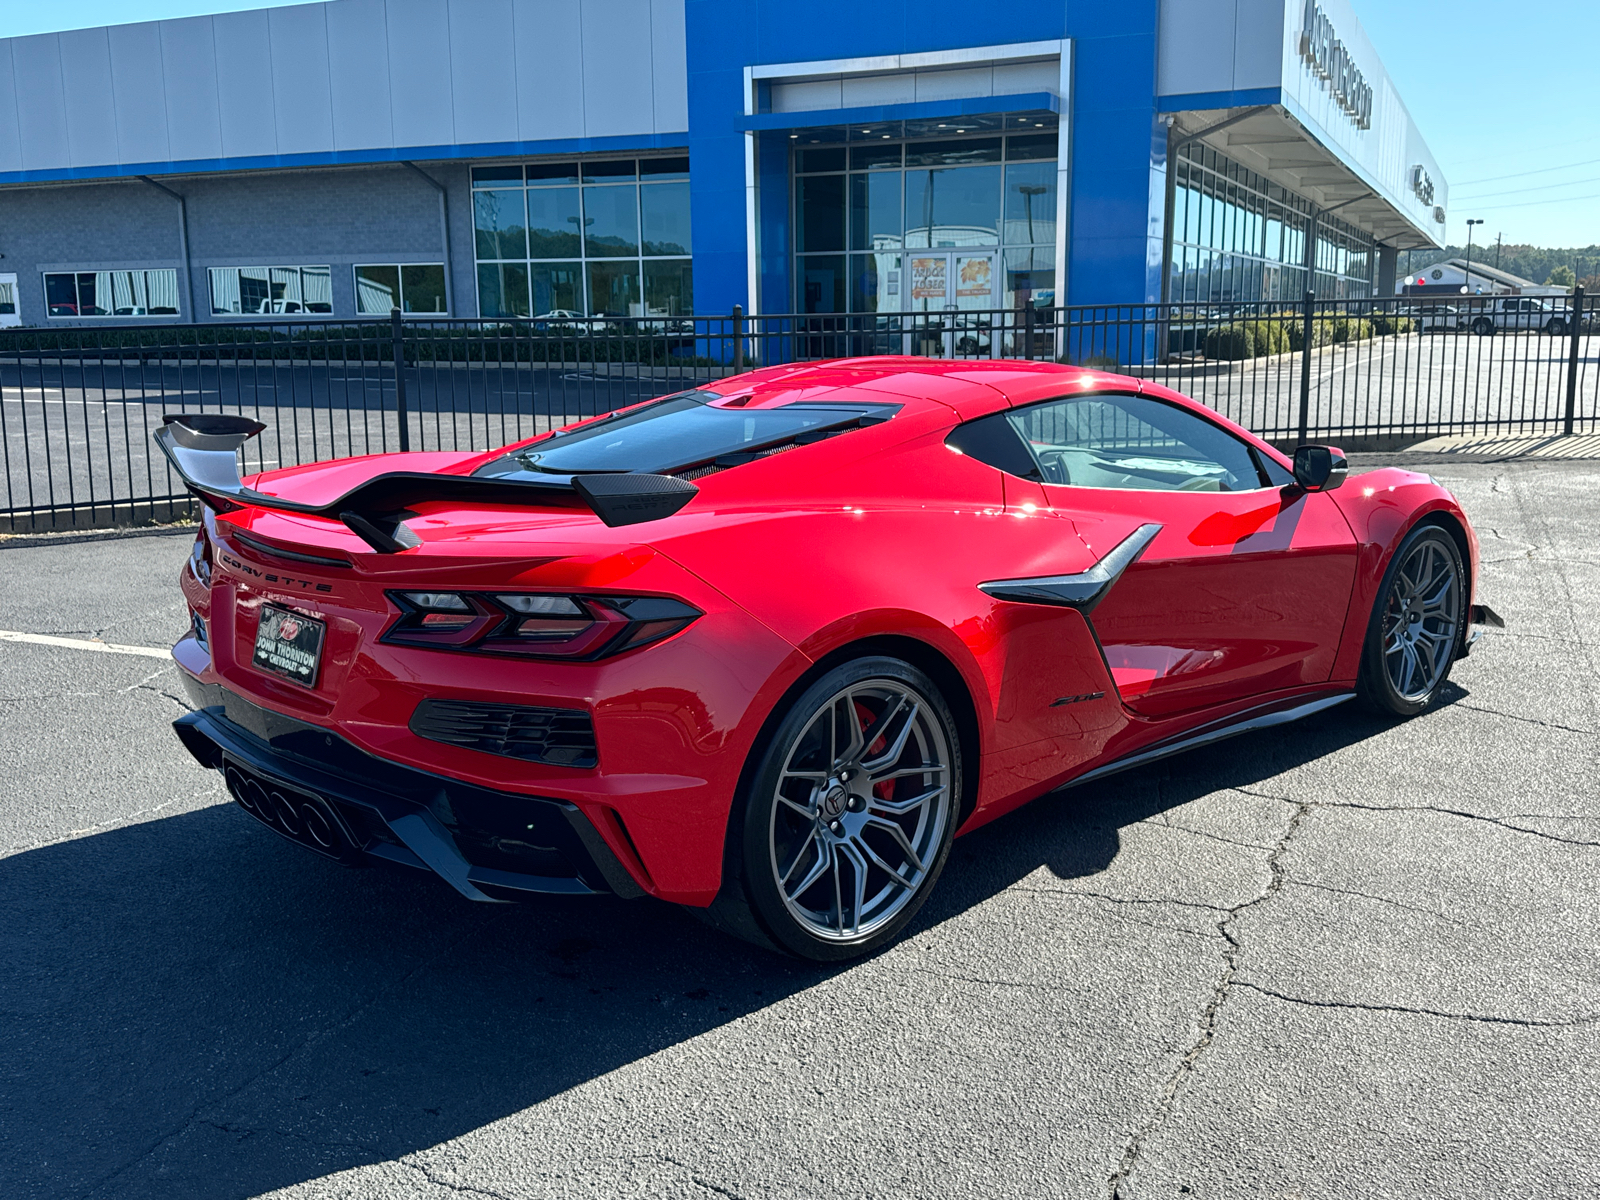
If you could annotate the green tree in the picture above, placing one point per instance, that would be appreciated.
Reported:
(1561, 276)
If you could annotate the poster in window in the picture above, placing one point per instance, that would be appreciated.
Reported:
(974, 277)
(928, 278)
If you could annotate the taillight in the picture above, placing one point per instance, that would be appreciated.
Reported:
(536, 625)
(200, 552)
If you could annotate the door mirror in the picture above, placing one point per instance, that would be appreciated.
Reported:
(1319, 468)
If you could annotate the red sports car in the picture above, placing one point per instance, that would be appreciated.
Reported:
(764, 647)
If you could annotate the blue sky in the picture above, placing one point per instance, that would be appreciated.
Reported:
(1502, 92)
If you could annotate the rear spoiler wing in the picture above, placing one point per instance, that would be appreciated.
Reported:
(202, 448)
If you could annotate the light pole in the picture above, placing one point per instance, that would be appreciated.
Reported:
(1467, 286)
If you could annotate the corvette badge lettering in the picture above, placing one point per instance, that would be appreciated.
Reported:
(271, 577)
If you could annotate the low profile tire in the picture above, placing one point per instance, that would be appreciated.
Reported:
(1483, 327)
(847, 819)
(1416, 627)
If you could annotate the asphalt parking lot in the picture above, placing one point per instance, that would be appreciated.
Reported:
(1340, 959)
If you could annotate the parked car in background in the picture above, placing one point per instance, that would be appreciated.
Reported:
(1438, 318)
(1520, 312)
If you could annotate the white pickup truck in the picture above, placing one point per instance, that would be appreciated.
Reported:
(1520, 312)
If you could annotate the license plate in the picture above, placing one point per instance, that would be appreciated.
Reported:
(289, 644)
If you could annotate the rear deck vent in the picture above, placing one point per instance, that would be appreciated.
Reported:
(562, 737)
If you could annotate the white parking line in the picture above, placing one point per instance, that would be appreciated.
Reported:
(45, 639)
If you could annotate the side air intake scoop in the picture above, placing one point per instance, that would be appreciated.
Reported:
(1084, 590)
(202, 448)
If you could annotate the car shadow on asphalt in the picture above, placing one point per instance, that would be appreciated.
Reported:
(195, 1007)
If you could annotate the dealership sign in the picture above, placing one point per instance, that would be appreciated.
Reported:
(1422, 184)
(1329, 58)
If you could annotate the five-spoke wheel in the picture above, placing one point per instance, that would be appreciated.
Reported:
(847, 822)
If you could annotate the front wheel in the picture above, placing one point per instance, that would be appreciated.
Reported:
(848, 818)
(1416, 625)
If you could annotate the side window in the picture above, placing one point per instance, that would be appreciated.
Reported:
(1134, 443)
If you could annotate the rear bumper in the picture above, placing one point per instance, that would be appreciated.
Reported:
(320, 791)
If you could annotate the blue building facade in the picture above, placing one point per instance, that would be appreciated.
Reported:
(652, 158)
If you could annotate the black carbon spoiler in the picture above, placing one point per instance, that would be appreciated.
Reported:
(202, 448)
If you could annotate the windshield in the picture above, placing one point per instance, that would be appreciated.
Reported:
(674, 433)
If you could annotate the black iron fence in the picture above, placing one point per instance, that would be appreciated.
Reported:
(78, 404)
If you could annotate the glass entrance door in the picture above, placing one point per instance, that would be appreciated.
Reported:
(958, 286)
(8, 301)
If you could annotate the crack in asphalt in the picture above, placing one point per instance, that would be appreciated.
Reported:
(1120, 899)
(1327, 887)
(1502, 822)
(1201, 833)
(465, 1189)
(1495, 712)
(702, 1182)
(1117, 1182)
(250, 1131)
(113, 823)
(1482, 1018)
(311, 1039)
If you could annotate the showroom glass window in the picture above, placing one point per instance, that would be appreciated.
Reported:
(1237, 236)
(271, 291)
(111, 294)
(986, 198)
(596, 237)
(410, 287)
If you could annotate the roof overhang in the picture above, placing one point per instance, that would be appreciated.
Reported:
(1271, 141)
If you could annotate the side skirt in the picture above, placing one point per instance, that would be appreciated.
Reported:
(1245, 722)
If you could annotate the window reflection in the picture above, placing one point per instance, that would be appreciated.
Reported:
(501, 223)
(592, 236)
(111, 294)
(249, 291)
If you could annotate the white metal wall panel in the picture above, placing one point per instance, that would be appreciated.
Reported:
(419, 72)
(41, 102)
(189, 58)
(669, 65)
(358, 46)
(616, 38)
(483, 71)
(244, 84)
(87, 96)
(550, 69)
(10, 139)
(1194, 46)
(302, 95)
(1016, 79)
(813, 95)
(1257, 42)
(141, 97)
(344, 75)
(862, 91)
(955, 85)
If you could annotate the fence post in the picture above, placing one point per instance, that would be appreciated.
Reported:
(1575, 328)
(1305, 365)
(738, 339)
(397, 337)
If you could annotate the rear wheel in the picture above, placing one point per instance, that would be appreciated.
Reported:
(848, 818)
(1555, 327)
(1416, 625)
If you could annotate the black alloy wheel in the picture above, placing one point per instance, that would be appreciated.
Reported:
(1417, 625)
(846, 821)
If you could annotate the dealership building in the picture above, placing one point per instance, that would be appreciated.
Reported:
(653, 158)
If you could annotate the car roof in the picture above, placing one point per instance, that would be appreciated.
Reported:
(971, 388)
